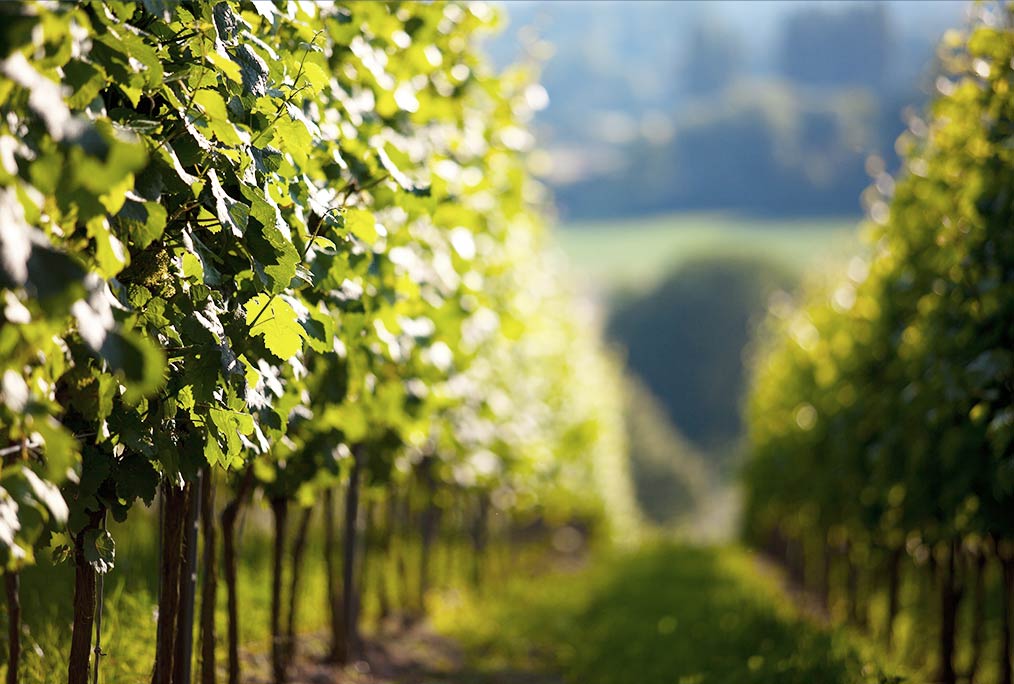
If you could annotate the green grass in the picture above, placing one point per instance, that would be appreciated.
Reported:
(664, 615)
(129, 615)
(636, 253)
(131, 588)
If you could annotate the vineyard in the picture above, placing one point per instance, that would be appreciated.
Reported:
(284, 254)
(881, 418)
(294, 378)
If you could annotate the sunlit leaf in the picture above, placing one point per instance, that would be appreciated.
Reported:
(275, 320)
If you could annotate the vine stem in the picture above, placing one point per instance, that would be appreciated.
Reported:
(209, 579)
(349, 617)
(228, 521)
(182, 664)
(99, 588)
(20, 447)
(12, 585)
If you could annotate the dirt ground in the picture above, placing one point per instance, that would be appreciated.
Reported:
(413, 655)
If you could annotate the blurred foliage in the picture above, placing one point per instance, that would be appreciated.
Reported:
(686, 338)
(714, 59)
(884, 379)
(880, 415)
(671, 479)
(837, 46)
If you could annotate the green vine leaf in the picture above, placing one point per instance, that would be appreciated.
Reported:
(277, 322)
(99, 550)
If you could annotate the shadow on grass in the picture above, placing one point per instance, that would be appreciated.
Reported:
(470, 676)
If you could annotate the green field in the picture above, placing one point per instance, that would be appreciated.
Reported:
(636, 253)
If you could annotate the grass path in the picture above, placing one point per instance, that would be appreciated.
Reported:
(666, 615)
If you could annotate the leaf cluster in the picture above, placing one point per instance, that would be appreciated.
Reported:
(882, 405)
(246, 235)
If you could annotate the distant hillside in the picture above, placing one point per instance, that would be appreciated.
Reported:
(670, 106)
